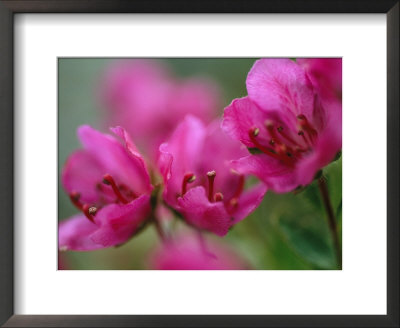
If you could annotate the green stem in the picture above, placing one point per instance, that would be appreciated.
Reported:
(331, 219)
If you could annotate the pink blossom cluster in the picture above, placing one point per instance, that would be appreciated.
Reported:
(193, 165)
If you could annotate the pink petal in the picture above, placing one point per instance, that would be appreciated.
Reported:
(328, 144)
(148, 101)
(125, 167)
(180, 155)
(133, 151)
(189, 253)
(241, 116)
(118, 223)
(277, 176)
(216, 155)
(198, 97)
(325, 74)
(81, 173)
(136, 92)
(201, 213)
(249, 201)
(114, 224)
(74, 234)
(280, 84)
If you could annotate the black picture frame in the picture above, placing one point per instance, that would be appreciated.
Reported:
(10, 7)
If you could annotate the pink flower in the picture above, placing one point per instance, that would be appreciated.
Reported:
(199, 182)
(108, 182)
(147, 100)
(290, 131)
(190, 253)
(325, 74)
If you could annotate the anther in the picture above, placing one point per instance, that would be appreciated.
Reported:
(268, 151)
(108, 180)
(287, 137)
(301, 133)
(86, 209)
(211, 177)
(218, 197)
(211, 174)
(254, 132)
(92, 210)
(187, 178)
(307, 127)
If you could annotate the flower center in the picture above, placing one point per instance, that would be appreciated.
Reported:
(281, 144)
(122, 192)
(307, 130)
(230, 204)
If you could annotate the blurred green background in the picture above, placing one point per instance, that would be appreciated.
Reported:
(286, 232)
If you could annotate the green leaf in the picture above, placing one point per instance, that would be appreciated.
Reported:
(309, 244)
(312, 196)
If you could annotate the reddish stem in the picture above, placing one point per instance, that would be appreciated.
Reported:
(187, 178)
(331, 219)
(211, 178)
(108, 180)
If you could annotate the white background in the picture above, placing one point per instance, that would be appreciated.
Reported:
(359, 289)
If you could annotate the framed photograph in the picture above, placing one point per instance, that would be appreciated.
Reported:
(208, 164)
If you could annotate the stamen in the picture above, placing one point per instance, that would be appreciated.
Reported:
(89, 211)
(211, 177)
(108, 180)
(187, 178)
(307, 127)
(74, 197)
(286, 136)
(301, 133)
(270, 128)
(127, 191)
(92, 210)
(218, 197)
(268, 151)
(255, 131)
